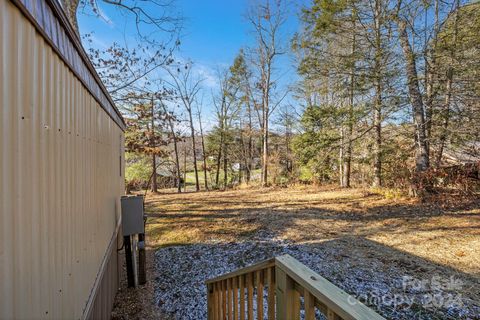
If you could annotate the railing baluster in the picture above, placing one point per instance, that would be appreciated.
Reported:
(224, 299)
(210, 300)
(250, 295)
(219, 301)
(284, 293)
(259, 276)
(309, 306)
(242, 297)
(235, 298)
(331, 315)
(321, 306)
(271, 293)
(229, 299)
(296, 305)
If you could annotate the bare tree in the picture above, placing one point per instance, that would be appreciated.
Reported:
(184, 166)
(157, 14)
(241, 78)
(204, 155)
(187, 88)
(152, 137)
(267, 18)
(286, 120)
(124, 68)
(226, 110)
(170, 119)
(430, 48)
(347, 161)
(448, 86)
(378, 101)
(422, 158)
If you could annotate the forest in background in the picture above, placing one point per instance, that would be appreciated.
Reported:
(387, 95)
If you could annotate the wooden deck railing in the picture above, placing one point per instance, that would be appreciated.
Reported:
(280, 288)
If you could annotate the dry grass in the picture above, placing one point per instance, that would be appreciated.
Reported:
(448, 236)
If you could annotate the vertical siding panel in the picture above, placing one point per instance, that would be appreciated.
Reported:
(21, 291)
(66, 192)
(75, 197)
(49, 231)
(39, 106)
(27, 193)
(67, 247)
(62, 240)
(33, 99)
(44, 98)
(54, 155)
(6, 163)
(75, 204)
(88, 207)
(84, 178)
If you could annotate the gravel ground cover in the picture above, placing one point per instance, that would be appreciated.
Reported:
(182, 271)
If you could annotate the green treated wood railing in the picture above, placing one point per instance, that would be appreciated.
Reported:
(286, 283)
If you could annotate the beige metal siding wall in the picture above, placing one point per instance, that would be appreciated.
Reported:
(60, 179)
(102, 303)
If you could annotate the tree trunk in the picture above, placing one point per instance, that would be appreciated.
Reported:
(448, 92)
(265, 144)
(244, 162)
(266, 114)
(154, 162)
(70, 9)
(341, 157)
(219, 155)
(446, 118)
(429, 102)
(175, 149)
(219, 159)
(288, 138)
(377, 117)
(250, 144)
(347, 164)
(154, 174)
(194, 150)
(430, 76)
(422, 156)
(225, 168)
(377, 147)
(203, 152)
(177, 164)
(265, 154)
(184, 166)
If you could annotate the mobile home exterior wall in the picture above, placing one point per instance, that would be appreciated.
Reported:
(61, 171)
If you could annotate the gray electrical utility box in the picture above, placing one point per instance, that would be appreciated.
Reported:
(132, 215)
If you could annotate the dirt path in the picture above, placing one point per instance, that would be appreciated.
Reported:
(368, 245)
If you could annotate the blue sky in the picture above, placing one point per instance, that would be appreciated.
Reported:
(214, 30)
(213, 33)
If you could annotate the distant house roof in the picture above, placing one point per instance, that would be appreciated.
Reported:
(453, 155)
(164, 172)
(50, 20)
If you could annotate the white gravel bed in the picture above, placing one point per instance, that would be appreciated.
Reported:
(182, 270)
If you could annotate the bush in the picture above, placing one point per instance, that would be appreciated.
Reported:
(137, 171)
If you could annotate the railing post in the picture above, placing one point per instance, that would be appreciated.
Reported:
(284, 290)
(271, 293)
(210, 314)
